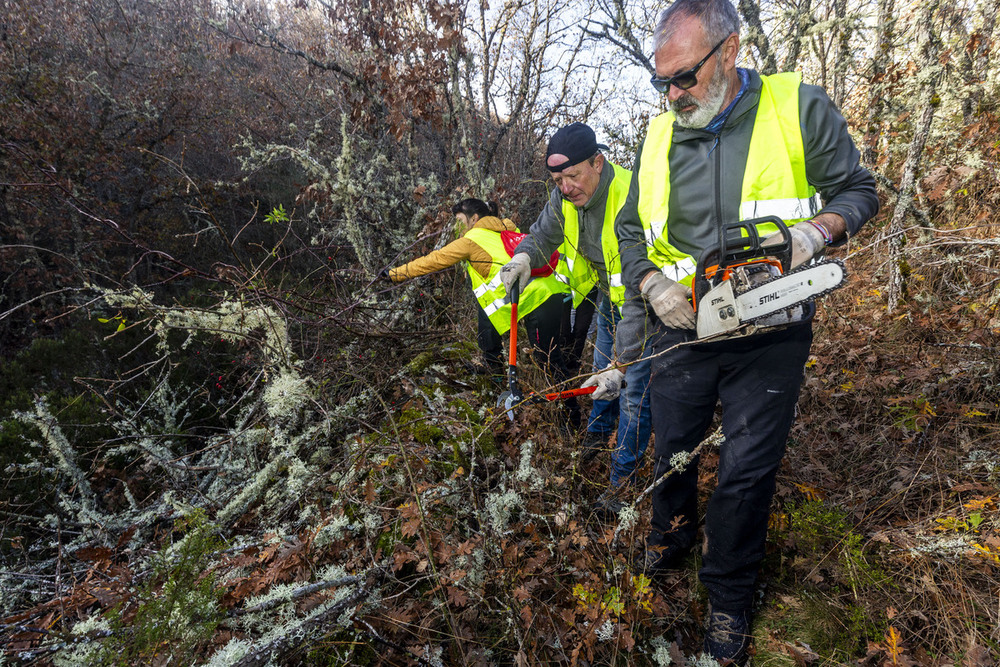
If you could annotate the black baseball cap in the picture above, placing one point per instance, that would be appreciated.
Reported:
(576, 141)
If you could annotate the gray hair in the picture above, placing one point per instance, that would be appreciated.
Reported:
(718, 17)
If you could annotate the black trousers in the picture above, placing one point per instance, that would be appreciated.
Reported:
(544, 326)
(757, 380)
(490, 342)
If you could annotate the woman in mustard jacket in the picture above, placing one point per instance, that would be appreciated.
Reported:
(481, 248)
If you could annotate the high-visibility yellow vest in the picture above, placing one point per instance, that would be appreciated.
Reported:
(573, 269)
(490, 292)
(774, 181)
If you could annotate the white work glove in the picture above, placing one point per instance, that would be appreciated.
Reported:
(669, 300)
(518, 270)
(807, 242)
(608, 383)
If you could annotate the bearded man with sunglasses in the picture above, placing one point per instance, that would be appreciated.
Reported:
(734, 146)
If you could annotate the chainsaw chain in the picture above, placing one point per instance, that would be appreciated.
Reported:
(738, 293)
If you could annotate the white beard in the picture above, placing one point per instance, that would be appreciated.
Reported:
(705, 110)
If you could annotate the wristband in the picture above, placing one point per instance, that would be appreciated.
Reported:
(827, 237)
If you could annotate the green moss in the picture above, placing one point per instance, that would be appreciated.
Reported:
(817, 529)
(461, 409)
(487, 444)
(422, 362)
(827, 575)
(387, 541)
(420, 426)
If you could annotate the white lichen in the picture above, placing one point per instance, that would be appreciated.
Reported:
(680, 460)
(526, 473)
(606, 632)
(230, 654)
(660, 652)
(287, 393)
(628, 517)
(500, 506)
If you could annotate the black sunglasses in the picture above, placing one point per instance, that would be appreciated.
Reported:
(686, 79)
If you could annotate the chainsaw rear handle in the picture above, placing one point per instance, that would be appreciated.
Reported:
(742, 243)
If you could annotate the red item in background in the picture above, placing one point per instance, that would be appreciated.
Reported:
(510, 242)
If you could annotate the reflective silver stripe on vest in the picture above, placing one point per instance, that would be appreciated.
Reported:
(655, 231)
(495, 306)
(564, 278)
(488, 287)
(615, 280)
(681, 270)
(786, 209)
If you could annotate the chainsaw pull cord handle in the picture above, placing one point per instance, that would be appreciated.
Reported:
(512, 356)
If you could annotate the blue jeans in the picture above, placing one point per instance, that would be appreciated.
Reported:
(631, 408)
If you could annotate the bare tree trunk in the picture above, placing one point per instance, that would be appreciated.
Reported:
(800, 22)
(756, 35)
(928, 103)
(843, 54)
(463, 123)
(974, 63)
(876, 77)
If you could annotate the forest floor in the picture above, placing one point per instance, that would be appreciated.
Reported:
(441, 532)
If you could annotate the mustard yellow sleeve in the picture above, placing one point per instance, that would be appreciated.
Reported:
(480, 260)
(453, 253)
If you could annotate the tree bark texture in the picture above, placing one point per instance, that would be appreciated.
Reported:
(756, 36)
(799, 22)
(877, 73)
(928, 103)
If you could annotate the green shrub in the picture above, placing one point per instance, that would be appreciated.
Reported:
(178, 607)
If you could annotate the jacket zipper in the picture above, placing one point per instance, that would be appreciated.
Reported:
(718, 196)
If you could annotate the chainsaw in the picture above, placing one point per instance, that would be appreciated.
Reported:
(742, 286)
(513, 396)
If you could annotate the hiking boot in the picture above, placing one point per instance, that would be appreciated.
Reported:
(608, 506)
(728, 637)
(593, 444)
(656, 561)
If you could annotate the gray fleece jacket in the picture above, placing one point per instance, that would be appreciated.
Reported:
(706, 176)
(547, 232)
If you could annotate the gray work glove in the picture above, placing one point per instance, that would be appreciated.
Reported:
(518, 270)
(807, 242)
(669, 300)
(608, 383)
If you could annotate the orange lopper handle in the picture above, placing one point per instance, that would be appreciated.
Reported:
(570, 393)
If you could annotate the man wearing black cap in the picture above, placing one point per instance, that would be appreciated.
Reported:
(579, 220)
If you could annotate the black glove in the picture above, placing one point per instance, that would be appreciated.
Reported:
(384, 275)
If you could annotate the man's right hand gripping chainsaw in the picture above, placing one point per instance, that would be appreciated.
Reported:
(744, 285)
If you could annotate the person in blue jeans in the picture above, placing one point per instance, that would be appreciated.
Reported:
(579, 221)
(630, 409)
